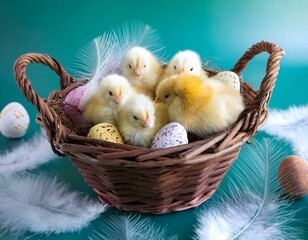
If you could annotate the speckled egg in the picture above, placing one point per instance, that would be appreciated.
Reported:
(106, 132)
(173, 134)
(229, 78)
(72, 101)
(14, 120)
(293, 176)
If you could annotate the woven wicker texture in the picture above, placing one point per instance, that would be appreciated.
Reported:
(151, 180)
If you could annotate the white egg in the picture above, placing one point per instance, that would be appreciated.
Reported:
(229, 78)
(172, 134)
(14, 120)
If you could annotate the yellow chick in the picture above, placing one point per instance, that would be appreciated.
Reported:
(142, 69)
(103, 106)
(188, 62)
(139, 120)
(202, 107)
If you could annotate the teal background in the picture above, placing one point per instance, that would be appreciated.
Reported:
(219, 31)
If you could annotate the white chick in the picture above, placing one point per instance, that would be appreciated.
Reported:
(103, 106)
(142, 69)
(137, 120)
(188, 62)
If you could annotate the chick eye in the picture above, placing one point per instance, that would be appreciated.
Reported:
(167, 95)
(135, 117)
(110, 93)
(129, 66)
(174, 67)
(191, 69)
(144, 65)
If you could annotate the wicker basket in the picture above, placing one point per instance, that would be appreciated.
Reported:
(151, 180)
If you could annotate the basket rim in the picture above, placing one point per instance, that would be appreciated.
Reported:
(247, 124)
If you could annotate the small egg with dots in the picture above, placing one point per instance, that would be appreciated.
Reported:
(14, 120)
(229, 78)
(106, 132)
(171, 135)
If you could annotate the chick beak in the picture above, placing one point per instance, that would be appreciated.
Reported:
(137, 71)
(145, 123)
(118, 99)
(157, 100)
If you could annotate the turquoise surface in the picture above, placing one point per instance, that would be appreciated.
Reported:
(220, 31)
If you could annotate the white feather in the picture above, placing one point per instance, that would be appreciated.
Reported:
(93, 57)
(130, 228)
(104, 55)
(252, 208)
(27, 155)
(92, 63)
(41, 204)
(290, 125)
(135, 34)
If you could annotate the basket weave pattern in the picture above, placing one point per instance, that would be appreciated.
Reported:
(151, 180)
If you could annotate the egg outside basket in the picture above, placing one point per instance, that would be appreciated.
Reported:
(151, 180)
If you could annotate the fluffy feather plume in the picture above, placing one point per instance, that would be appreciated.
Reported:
(253, 207)
(134, 34)
(105, 53)
(41, 204)
(130, 228)
(93, 58)
(290, 125)
(92, 64)
(27, 155)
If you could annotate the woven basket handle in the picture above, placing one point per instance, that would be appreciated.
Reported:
(258, 106)
(272, 67)
(51, 119)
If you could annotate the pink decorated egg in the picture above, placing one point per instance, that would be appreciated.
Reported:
(72, 101)
(173, 134)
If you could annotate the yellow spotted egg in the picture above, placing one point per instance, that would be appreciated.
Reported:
(14, 120)
(105, 131)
